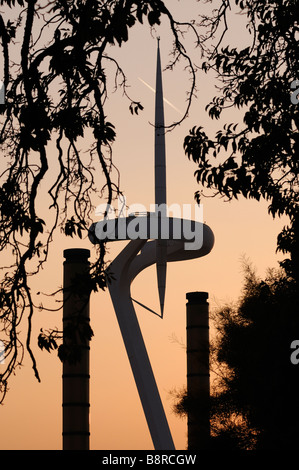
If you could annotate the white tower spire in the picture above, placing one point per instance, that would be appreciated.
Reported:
(160, 180)
(132, 260)
(160, 154)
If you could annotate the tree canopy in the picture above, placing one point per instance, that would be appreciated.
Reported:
(256, 158)
(55, 55)
(253, 367)
(254, 404)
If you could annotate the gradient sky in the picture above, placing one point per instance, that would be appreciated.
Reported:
(31, 416)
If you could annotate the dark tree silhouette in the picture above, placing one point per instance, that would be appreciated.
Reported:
(259, 157)
(257, 382)
(256, 158)
(254, 382)
(54, 57)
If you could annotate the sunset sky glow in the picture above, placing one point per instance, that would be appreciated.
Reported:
(31, 416)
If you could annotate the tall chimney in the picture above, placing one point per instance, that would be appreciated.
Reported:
(75, 378)
(198, 374)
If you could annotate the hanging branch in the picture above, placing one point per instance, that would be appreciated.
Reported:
(33, 116)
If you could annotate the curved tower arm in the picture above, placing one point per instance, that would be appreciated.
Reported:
(146, 384)
(126, 266)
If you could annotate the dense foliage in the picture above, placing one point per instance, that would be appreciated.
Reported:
(254, 367)
(255, 404)
(256, 158)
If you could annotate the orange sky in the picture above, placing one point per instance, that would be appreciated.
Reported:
(31, 415)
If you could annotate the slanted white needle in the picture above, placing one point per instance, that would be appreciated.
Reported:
(160, 181)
